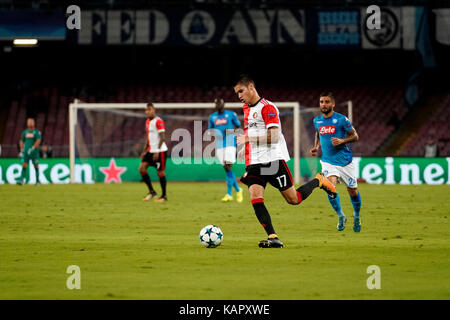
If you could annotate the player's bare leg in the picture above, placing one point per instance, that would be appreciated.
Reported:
(336, 204)
(355, 199)
(296, 196)
(143, 171)
(291, 196)
(22, 179)
(163, 182)
(257, 198)
(36, 168)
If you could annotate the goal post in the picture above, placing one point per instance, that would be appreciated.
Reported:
(77, 105)
(349, 110)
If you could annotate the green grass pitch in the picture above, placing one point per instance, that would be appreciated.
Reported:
(129, 249)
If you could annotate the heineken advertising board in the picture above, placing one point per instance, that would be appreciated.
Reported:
(388, 170)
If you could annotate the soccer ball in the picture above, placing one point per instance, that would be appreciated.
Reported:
(211, 236)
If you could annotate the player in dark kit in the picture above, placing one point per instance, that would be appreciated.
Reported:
(29, 143)
(266, 153)
(154, 154)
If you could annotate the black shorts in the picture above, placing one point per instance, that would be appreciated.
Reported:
(159, 164)
(276, 173)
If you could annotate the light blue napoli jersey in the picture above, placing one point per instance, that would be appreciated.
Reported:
(221, 122)
(335, 126)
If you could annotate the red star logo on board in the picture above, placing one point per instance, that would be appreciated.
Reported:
(113, 172)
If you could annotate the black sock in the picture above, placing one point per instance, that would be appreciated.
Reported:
(306, 189)
(263, 215)
(147, 181)
(163, 182)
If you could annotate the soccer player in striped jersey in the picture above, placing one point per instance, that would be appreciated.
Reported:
(221, 121)
(154, 154)
(333, 133)
(266, 153)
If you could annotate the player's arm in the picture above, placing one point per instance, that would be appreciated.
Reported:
(22, 146)
(273, 135)
(316, 146)
(145, 150)
(37, 143)
(162, 139)
(22, 142)
(236, 121)
(210, 123)
(352, 136)
(210, 130)
(161, 128)
(38, 139)
(272, 122)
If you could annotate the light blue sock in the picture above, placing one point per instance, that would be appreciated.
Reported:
(230, 175)
(235, 184)
(336, 204)
(356, 202)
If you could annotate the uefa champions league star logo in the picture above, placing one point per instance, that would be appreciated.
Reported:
(198, 27)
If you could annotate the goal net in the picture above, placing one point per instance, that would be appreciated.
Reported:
(117, 130)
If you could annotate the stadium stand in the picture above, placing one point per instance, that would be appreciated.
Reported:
(436, 128)
(373, 108)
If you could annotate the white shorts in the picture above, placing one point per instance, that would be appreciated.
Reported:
(345, 174)
(227, 154)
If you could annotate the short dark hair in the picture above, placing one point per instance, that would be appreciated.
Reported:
(245, 80)
(327, 94)
(149, 104)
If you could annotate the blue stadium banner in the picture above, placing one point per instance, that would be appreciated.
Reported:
(191, 27)
(43, 25)
(338, 28)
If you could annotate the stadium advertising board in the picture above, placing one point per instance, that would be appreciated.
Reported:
(405, 171)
